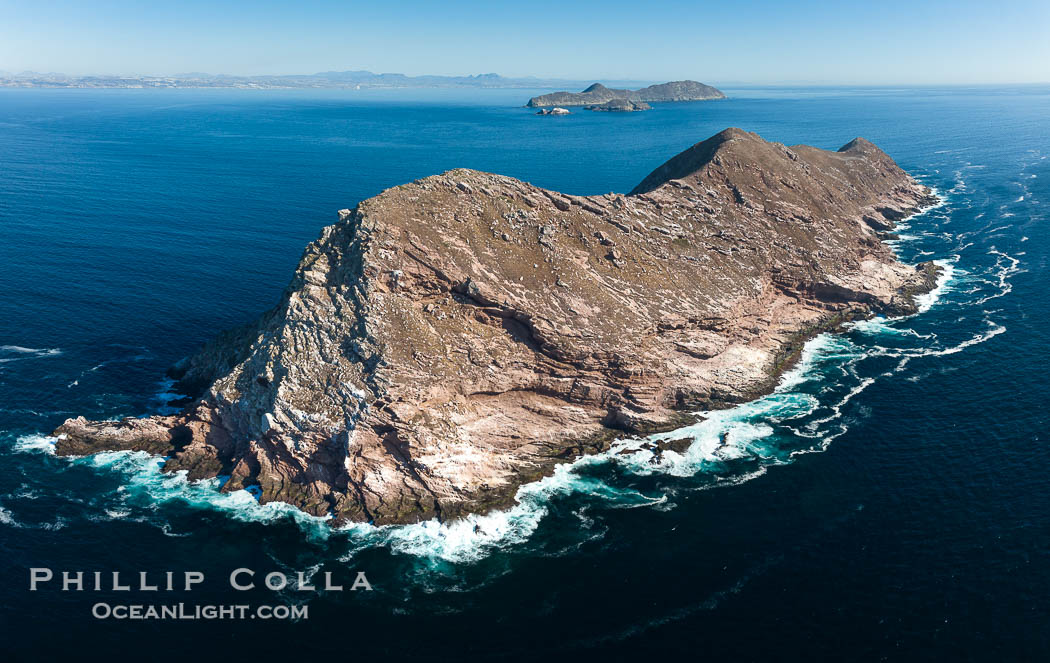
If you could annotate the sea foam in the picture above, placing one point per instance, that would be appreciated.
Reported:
(143, 476)
(18, 353)
(36, 444)
(925, 301)
(720, 435)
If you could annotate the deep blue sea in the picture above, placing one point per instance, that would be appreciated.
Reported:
(889, 502)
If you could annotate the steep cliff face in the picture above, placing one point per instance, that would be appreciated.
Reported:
(457, 336)
(598, 94)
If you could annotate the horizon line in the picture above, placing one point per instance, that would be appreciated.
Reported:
(188, 76)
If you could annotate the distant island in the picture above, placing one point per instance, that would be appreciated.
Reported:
(620, 106)
(598, 94)
(325, 79)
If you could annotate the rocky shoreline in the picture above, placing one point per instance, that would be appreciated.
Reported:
(620, 106)
(456, 337)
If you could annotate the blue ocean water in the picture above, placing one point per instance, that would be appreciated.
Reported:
(888, 502)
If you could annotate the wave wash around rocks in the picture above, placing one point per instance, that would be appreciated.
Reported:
(456, 337)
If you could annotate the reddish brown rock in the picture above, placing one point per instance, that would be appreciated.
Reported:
(452, 338)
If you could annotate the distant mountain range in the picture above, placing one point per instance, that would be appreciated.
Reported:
(325, 79)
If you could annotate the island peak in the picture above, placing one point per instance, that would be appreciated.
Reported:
(859, 144)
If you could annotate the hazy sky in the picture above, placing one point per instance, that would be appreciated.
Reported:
(872, 42)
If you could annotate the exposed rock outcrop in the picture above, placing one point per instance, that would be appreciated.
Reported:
(455, 337)
(599, 94)
(620, 106)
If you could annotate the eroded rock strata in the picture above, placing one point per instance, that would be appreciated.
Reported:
(453, 338)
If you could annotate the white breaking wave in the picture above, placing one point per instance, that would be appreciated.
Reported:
(143, 476)
(35, 444)
(942, 200)
(22, 352)
(880, 326)
(721, 435)
(473, 537)
(926, 301)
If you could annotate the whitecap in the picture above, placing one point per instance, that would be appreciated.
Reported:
(7, 518)
(35, 444)
(23, 352)
(880, 326)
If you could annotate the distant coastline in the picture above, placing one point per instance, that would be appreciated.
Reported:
(321, 80)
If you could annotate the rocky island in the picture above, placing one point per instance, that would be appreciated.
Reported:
(455, 337)
(598, 94)
(620, 106)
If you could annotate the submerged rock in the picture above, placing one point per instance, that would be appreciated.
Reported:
(455, 337)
